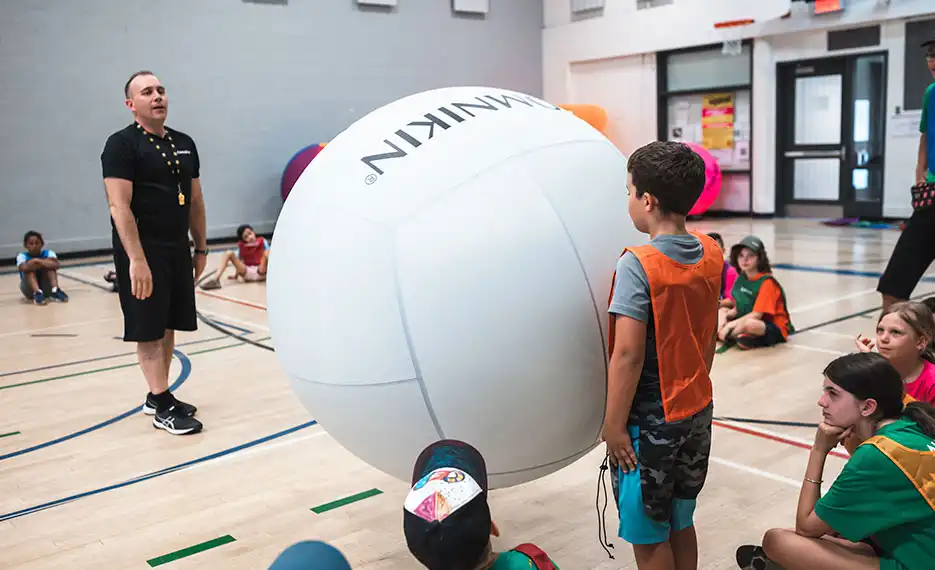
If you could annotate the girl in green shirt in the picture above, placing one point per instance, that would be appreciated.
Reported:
(880, 511)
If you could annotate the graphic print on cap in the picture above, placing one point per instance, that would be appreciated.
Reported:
(441, 493)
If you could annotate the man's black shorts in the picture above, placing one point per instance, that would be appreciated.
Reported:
(172, 303)
(911, 257)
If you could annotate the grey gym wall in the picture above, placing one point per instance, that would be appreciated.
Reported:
(252, 83)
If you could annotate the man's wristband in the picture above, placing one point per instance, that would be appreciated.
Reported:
(201, 251)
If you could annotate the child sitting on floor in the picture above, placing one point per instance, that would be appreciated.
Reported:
(249, 260)
(904, 337)
(728, 275)
(452, 473)
(760, 316)
(38, 271)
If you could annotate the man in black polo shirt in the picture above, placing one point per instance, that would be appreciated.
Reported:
(151, 174)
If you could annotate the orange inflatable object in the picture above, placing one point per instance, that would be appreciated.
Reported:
(594, 115)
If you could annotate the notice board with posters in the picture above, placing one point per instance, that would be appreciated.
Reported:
(917, 76)
(719, 121)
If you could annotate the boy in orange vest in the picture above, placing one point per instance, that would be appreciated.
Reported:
(663, 327)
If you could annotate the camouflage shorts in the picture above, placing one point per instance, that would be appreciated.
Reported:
(672, 461)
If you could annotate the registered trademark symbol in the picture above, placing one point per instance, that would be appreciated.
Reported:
(370, 179)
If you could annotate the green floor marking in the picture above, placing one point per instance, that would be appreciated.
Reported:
(217, 348)
(9, 434)
(346, 501)
(185, 552)
(72, 375)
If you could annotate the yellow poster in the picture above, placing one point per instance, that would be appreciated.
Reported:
(717, 121)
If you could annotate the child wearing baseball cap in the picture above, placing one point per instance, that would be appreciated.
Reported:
(760, 316)
(446, 518)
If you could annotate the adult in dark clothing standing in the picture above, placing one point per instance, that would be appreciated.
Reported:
(915, 250)
(151, 174)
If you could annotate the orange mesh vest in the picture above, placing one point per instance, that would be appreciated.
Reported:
(684, 302)
(918, 466)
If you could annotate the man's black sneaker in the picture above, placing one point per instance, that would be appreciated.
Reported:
(174, 422)
(149, 406)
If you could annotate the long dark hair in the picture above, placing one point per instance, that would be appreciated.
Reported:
(762, 259)
(869, 375)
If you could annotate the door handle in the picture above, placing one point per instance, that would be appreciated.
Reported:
(814, 153)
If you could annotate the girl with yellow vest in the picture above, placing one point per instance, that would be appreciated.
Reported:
(879, 514)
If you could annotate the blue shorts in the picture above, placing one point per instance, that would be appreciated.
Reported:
(678, 463)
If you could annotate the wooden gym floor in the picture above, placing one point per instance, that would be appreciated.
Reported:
(86, 481)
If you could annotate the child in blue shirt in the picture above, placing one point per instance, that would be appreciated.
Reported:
(38, 271)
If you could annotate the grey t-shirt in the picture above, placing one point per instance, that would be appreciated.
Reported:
(631, 290)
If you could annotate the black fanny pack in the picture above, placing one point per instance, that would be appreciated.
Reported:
(923, 196)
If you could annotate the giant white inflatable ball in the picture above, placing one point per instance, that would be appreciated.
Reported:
(442, 270)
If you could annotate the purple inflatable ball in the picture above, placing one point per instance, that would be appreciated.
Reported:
(296, 166)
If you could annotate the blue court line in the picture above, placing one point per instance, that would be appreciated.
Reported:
(853, 272)
(98, 358)
(235, 327)
(154, 474)
(183, 376)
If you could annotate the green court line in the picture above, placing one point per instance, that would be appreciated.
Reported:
(72, 375)
(117, 367)
(9, 434)
(346, 501)
(186, 552)
(215, 349)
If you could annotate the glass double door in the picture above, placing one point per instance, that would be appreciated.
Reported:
(831, 134)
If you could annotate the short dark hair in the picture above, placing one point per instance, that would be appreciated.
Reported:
(126, 87)
(671, 171)
(242, 229)
(32, 233)
(717, 237)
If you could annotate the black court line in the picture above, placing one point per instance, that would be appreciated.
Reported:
(783, 423)
(98, 358)
(215, 324)
(857, 314)
(85, 281)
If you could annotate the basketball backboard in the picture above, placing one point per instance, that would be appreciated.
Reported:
(731, 13)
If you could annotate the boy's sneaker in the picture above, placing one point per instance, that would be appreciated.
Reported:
(39, 298)
(187, 410)
(59, 296)
(175, 422)
(751, 557)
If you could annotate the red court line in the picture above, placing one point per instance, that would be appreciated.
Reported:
(231, 300)
(778, 438)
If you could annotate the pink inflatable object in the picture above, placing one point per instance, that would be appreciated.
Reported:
(712, 186)
(296, 166)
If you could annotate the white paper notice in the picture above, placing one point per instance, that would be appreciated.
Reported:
(905, 124)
